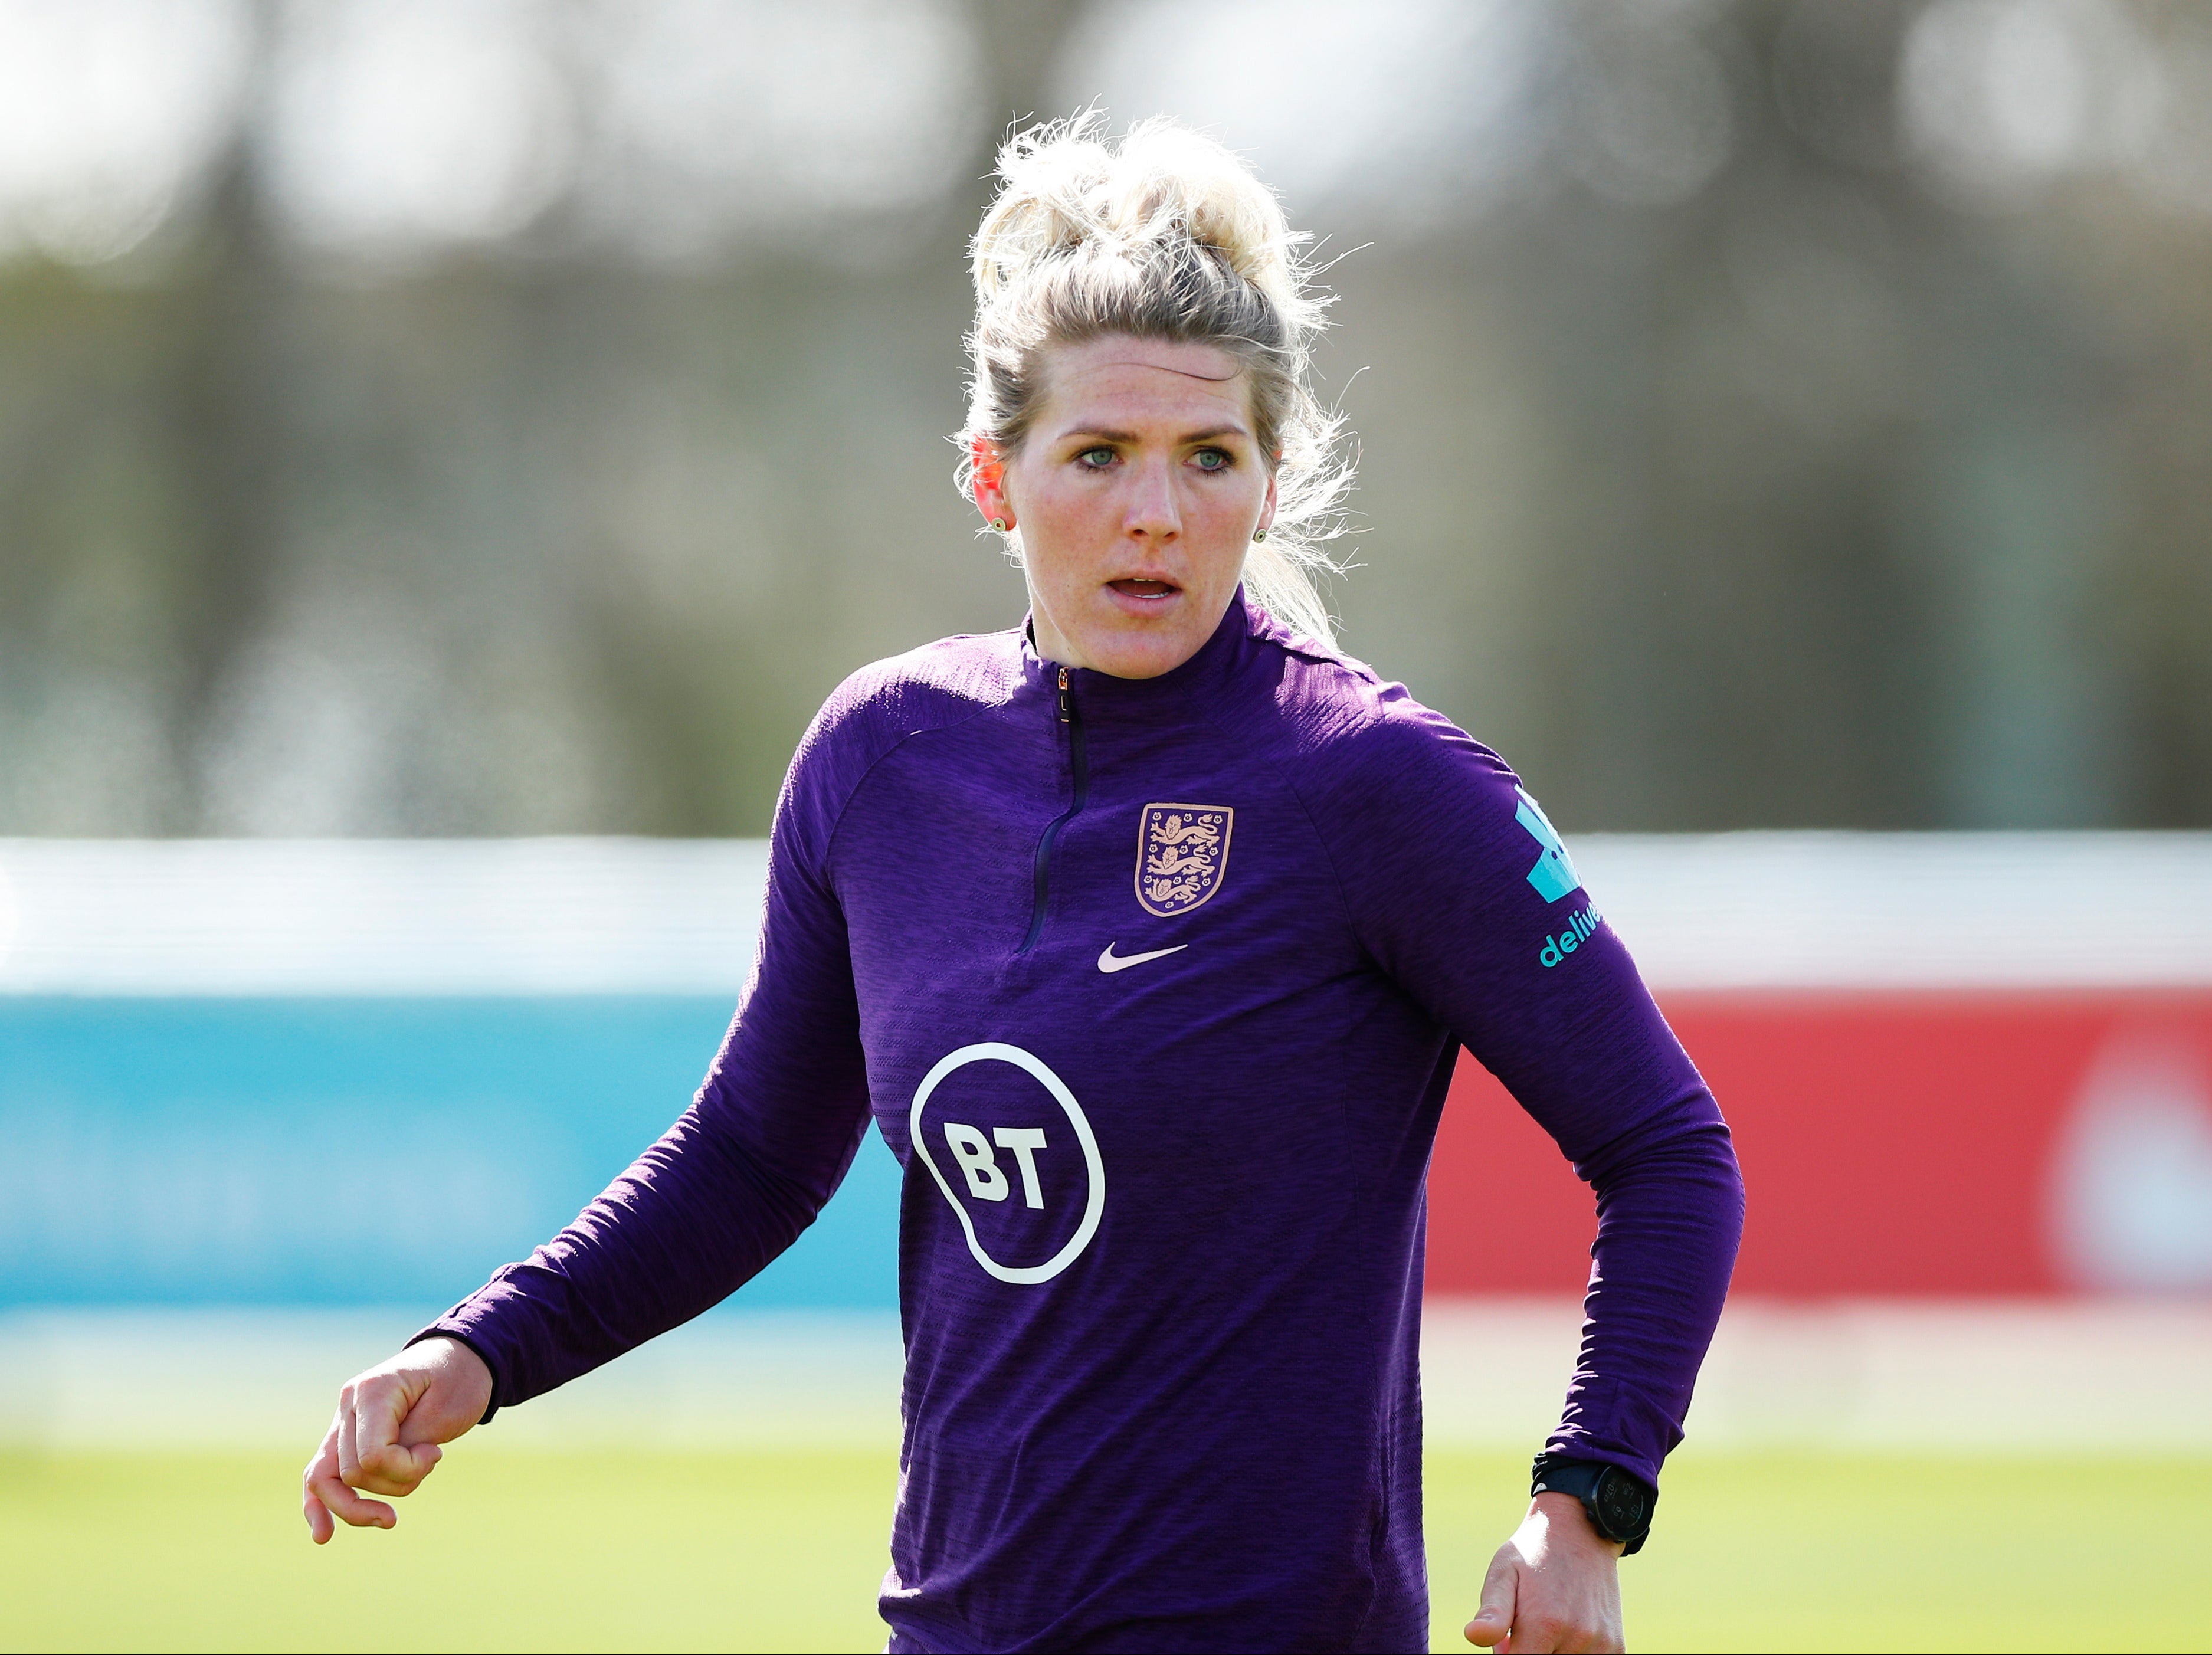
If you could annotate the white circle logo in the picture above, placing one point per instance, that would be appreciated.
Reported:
(1094, 1207)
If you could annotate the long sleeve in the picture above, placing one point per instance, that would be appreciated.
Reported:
(1461, 891)
(764, 1146)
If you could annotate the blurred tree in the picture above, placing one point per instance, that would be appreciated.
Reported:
(1751, 437)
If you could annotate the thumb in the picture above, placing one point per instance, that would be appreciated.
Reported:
(1495, 1618)
(405, 1462)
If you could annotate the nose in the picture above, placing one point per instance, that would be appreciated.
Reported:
(1152, 512)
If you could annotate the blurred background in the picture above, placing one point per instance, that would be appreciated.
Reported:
(448, 448)
(513, 416)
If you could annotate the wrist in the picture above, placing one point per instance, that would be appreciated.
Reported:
(1565, 1519)
(478, 1378)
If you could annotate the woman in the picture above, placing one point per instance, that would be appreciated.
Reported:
(1147, 934)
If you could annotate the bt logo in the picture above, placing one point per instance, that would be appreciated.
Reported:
(985, 1178)
(973, 1151)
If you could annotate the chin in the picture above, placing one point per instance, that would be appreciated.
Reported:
(1143, 657)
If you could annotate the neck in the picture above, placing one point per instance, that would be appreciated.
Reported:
(1055, 646)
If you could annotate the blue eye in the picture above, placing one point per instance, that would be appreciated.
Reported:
(1212, 460)
(1097, 460)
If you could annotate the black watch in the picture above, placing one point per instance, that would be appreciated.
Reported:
(1619, 1503)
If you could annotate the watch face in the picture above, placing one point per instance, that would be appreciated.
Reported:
(1624, 1505)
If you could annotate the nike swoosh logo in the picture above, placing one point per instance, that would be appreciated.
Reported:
(1109, 961)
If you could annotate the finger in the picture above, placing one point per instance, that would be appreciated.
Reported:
(349, 1461)
(325, 1463)
(378, 1405)
(364, 1462)
(379, 1411)
(397, 1470)
(320, 1528)
(370, 1457)
(349, 1507)
(1493, 1622)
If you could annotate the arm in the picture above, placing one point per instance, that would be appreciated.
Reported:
(762, 1147)
(1669, 1205)
(1462, 894)
(730, 1185)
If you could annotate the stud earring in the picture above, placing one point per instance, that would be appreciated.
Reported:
(1259, 534)
(1000, 524)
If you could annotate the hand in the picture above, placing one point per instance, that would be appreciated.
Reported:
(385, 1436)
(1554, 1586)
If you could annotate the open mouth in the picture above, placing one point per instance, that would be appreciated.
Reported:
(1153, 590)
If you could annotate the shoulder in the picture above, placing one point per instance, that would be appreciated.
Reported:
(1337, 720)
(928, 688)
(1394, 787)
(886, 703)
(1408, 802)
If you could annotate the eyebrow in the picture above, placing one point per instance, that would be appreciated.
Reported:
(1206, 435)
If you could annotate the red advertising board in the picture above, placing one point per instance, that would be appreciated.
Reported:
(1893, 1142)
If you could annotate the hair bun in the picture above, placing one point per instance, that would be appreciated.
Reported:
(1068, 191)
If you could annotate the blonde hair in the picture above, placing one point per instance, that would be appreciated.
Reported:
(1165, 234)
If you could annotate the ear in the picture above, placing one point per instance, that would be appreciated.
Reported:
(1266, 506)
(986, 480)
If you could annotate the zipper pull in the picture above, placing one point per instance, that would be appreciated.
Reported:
(1067, 701)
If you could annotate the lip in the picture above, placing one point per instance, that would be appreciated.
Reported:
(1159, 594)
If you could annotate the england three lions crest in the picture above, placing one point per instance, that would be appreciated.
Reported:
(1182, 850)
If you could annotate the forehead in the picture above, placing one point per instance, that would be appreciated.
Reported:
(1131, 383)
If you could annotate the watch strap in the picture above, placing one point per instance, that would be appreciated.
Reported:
(1619, 1504)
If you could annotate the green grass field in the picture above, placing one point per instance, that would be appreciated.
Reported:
(510, 1551)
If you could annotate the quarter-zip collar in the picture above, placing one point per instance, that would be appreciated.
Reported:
(1106, 699)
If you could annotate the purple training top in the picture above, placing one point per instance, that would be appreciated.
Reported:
(1154, 987)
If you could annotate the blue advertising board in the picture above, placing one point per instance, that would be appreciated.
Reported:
(355, 1149)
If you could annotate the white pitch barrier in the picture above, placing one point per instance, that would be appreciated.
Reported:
(575, 915)
(1972, 1376)
(94, 1377)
